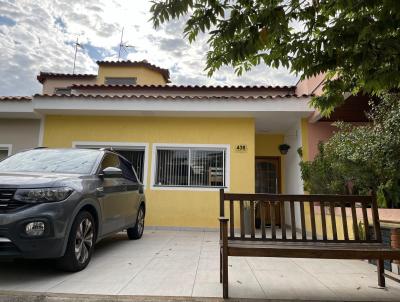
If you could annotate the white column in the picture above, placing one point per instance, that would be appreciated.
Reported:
(293, 181)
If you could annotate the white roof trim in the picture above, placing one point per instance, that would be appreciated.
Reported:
(17, 109)
(130, 106)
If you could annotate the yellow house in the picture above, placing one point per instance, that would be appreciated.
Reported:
(186, 142)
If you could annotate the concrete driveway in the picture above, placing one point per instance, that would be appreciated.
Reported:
(185, 263)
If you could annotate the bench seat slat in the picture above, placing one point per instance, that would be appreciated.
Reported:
(313, 253)
(311, 244)
(313, 250)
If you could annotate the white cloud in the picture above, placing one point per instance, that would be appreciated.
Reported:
(44, 32)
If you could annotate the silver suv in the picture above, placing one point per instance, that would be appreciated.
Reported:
(57, 203)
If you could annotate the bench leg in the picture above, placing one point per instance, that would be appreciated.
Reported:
(380, 269)
(225, 273)
(220, 265)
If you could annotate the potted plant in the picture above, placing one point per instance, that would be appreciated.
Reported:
(283, 148)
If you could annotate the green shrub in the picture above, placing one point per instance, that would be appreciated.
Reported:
(358, 159)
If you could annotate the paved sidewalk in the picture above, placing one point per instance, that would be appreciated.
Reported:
(184, 263)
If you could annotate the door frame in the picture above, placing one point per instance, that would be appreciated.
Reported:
(278, 158)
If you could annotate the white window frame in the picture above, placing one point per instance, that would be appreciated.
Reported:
(120, 145)
(227, 166)
(7, 147)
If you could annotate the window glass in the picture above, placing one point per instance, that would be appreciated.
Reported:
(172, 168)
(120, 81)
(62, 91)
(136, 157)
(110, 160)
(72, 161)
(192, 167)
(206, 168)
(3, 154)
(127, 170)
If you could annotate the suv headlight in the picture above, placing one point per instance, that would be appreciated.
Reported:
(42, 194)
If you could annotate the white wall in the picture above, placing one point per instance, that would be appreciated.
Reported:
(293, 181)
(21, 134)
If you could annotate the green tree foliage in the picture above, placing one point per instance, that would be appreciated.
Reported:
(356, 43)
(361, 158)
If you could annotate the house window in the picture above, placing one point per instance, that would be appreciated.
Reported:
(135, 154)
(62, 90)
(5, 151)
(3, 154)
(120, 81)
(190, 167)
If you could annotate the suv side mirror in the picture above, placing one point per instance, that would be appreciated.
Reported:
(112, 172)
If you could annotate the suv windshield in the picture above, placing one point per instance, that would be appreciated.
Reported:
(73, 161)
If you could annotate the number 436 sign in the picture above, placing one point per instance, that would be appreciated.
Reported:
(241, 148)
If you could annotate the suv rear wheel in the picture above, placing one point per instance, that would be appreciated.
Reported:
(137, 231)
(80, 243)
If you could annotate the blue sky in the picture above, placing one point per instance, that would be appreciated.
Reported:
(39, 35)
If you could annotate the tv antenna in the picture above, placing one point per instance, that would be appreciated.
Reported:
(77, 44)
(123, 46)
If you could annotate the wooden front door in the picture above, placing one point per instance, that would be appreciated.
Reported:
(268, 180)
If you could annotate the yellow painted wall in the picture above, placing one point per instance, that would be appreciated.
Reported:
(339, 224)
(145, 76)
(267, 145)
(168, 207)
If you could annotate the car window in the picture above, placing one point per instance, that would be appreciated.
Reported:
(113, 160)
(127, 170)
(110, 160)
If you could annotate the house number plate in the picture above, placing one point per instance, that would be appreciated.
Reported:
(241, 148)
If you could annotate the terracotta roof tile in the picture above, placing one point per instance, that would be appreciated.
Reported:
(163, 71)
(181, 87)
(45, 75)
(167, 97)
(15, 98)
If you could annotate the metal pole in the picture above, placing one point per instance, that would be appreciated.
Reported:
(120, 44)
(76, 50)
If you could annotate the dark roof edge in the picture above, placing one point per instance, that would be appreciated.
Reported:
(45, 75)
(179, 97)
(15, 98)
(181, 87)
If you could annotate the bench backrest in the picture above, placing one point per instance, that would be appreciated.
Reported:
(326, 213)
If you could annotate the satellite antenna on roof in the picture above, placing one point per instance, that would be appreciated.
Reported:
(122, 45)
(77, 44)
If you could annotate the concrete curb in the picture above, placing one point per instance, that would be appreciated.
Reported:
(18, 296)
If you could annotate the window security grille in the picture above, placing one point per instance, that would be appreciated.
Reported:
(3, 154)
(120, 81)
(190, 167)
(62, 91)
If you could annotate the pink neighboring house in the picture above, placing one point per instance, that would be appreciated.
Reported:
(320, 128)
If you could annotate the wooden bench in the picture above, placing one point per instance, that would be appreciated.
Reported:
(294, 239)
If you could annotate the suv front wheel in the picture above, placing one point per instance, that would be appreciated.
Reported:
(80, 243)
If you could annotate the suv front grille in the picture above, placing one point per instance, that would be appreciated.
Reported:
(7, 204)
(6, 194)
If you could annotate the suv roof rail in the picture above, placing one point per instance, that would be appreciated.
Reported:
(40, 148)
(106, 149)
